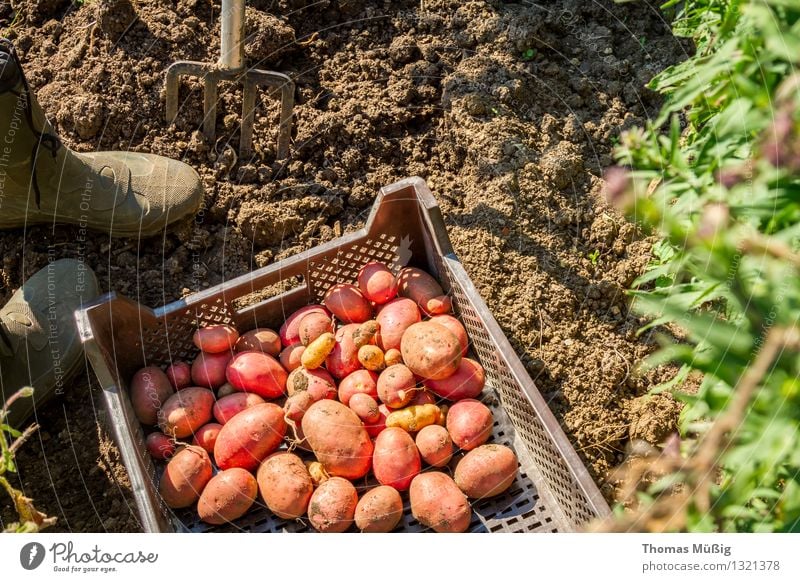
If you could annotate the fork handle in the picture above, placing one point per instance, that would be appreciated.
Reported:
(231, 56)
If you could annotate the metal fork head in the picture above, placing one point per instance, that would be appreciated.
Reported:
(250, 79)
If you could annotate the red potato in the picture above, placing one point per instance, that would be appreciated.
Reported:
(375, 428)
(297, 405)
(392, 357)
(396, 386)
(343, 359)
(359, 382)
(215, 339)
(285, 484)
(229, 406)
(179, 375)
(395, 461)
(260, 340)
(438, 503)
(258, 373)
(318, 382)
(469, 423)
(185, 477)
(379, 510)
(467, 382)
(347, 303)
(394, 319)
(227, 496)
(332, 506)
(150, 389)
(291, 357)
(247, 438)
(424, 290)
(186, 411)
(314, 325)
(365, 407)
(160, 446)
(206, 436)
(448, 321)
(435, 445)
(226, 389)
(431, 350)
(208, 370)
(338, 439)
(377, 283)
(486, 471)
(290, 330)
(423, 397)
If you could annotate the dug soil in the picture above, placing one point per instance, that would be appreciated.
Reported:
(508, 110)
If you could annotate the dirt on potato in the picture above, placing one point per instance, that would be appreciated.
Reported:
(509, 110)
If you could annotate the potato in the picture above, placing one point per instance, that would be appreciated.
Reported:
(208, 370)
(396, 386)
(227, 496)
(226, 389)
(186, 411)
(247, 438)
(338, 439)
(413, 418)
(229, 406)
(365, 407)
(448, 321)
(424, 290)
(343, 359)
(375, 428)
(258, 373)
(379, 510)
(486, 471)
(317, 471)
(215, 339)
(290, 330)
(467, 382)
(366, 333)
(160, 446)
(297, 405)
(179, 375)
(314, 325)
(371, 357)
(392, 357)
(423, 397)
(185, 477)
(260, 340)
(333, 505)
(285, 485)
(317, 351)
(438, 503)
(469, 423)
(318, 382)
(347, 303)
(377, 283)
(394, 319)
(431, 350)
(150, 389)
(435, 445)
(395, 461)
(290, 357)
(359, 382)
(206, 436)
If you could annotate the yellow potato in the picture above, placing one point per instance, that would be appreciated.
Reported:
(371, 357)
(413, 418)
(316, 352)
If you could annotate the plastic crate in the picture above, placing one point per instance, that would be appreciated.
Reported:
(553, 491)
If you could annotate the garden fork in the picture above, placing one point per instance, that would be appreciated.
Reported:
(231, 67)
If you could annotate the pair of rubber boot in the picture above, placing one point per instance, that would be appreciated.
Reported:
(123, 194)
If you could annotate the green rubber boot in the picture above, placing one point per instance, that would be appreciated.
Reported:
(39, 343)
(44, 182)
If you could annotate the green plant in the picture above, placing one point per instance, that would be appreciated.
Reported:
(30, 519)
(594, 256)
(717, 174)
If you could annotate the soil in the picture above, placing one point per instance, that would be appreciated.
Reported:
(508, 110)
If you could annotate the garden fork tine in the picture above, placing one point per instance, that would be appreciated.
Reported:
(231, 67)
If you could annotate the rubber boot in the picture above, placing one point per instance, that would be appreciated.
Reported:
(39, 343)
(44, 182)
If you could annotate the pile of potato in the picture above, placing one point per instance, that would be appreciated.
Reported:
(350, 394)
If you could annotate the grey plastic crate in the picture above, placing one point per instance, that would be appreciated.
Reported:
(553, 491)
